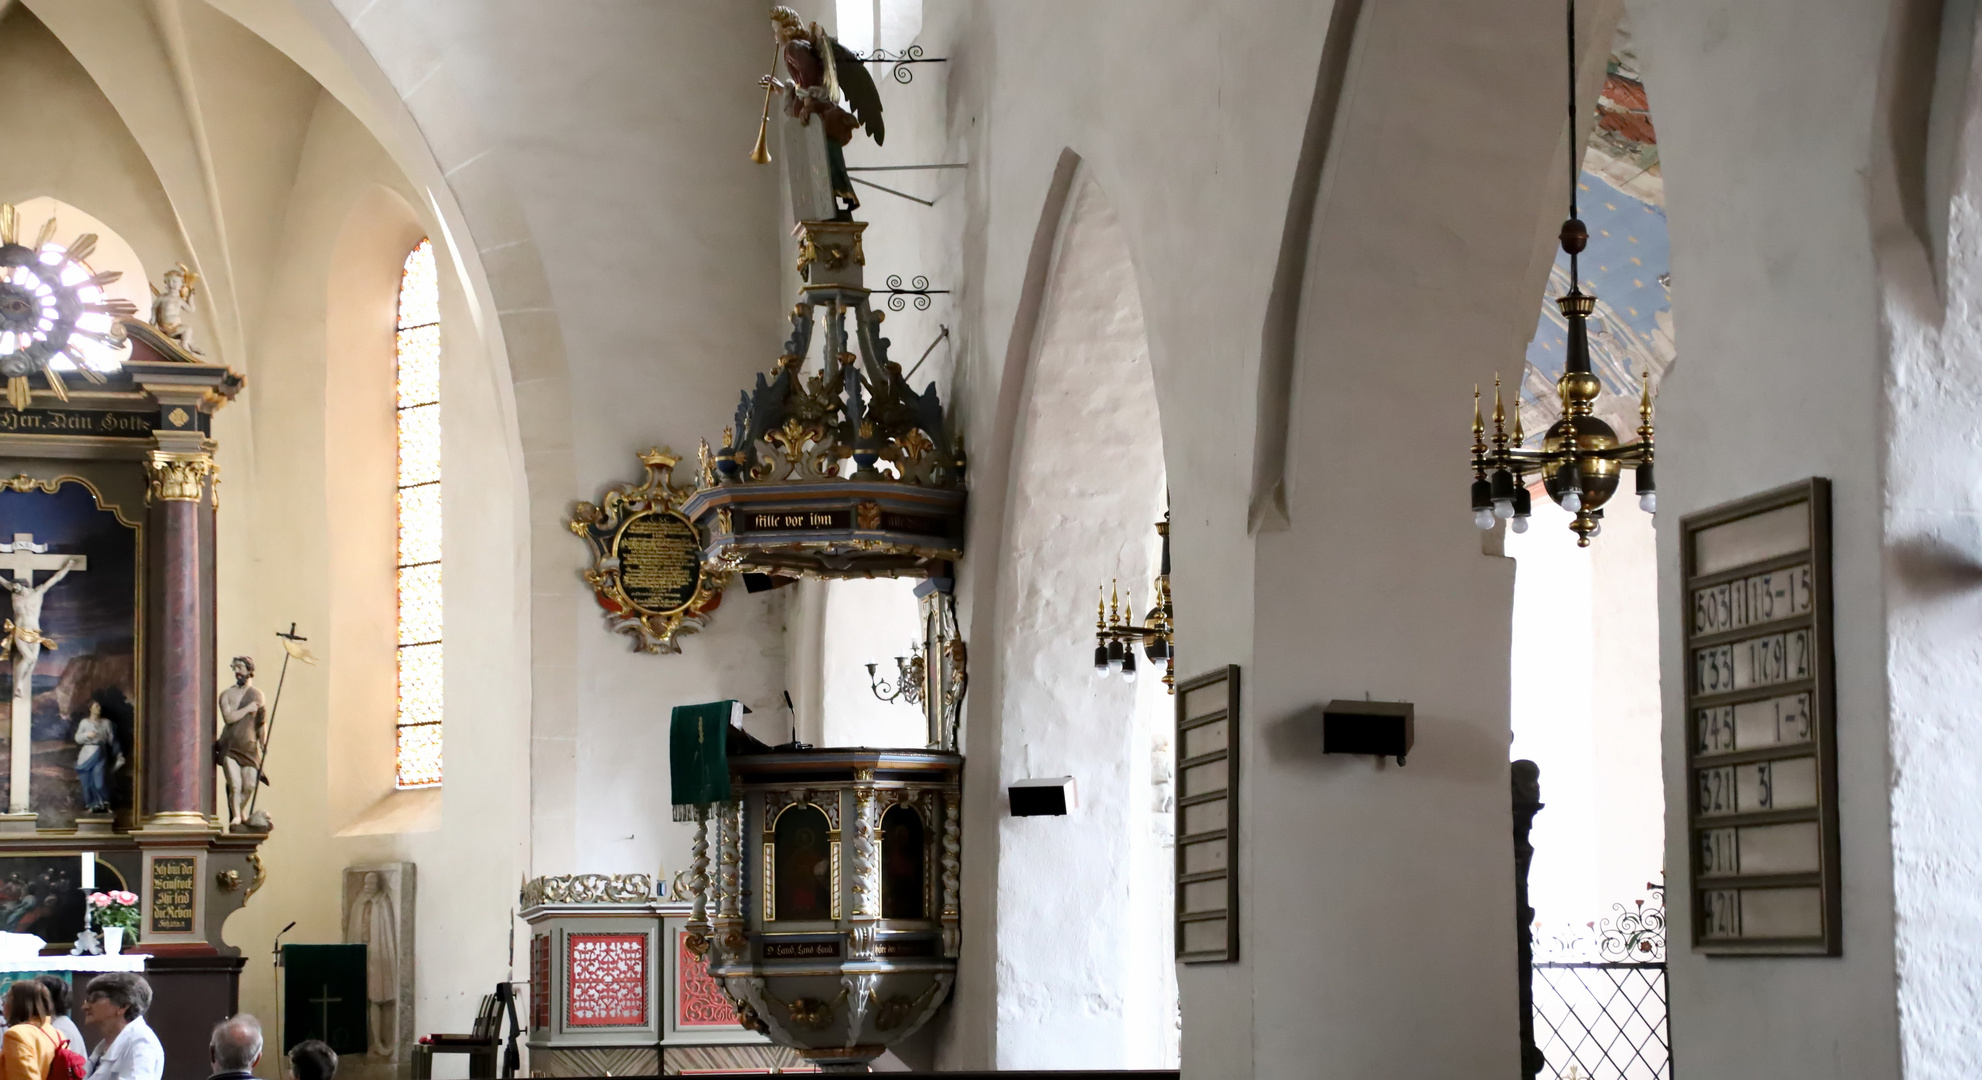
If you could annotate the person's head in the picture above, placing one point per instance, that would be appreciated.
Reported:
(59, 999)
(371, 884)
(244, 668)
(312, 1059)
(116, 998)
(27, 1000)
(787, 23)
(236, 1045)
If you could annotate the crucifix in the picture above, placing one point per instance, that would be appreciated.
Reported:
(23, 636)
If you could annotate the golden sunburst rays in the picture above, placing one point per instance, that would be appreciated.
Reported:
(65, 268)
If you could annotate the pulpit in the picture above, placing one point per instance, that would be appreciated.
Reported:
(108, 491)
(833, 917)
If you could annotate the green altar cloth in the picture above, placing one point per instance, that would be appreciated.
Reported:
(698, 755)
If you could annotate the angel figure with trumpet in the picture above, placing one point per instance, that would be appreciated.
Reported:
(822, 72)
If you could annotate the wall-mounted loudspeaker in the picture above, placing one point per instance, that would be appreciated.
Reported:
(1052, 796)
(1383, 728)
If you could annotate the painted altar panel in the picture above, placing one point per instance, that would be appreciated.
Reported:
(42, 894)
(92, 617)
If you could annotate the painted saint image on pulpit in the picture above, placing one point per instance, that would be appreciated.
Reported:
(70, 567)
(902, 865)
(802, 864)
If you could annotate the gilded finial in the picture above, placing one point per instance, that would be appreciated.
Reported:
(1645, 411)
(1519, 435)
(1479, 422)
(1114, 601)
(1499, 416)
(1100, 608)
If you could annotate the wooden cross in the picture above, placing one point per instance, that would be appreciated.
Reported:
(325, 1002)
(24, 557)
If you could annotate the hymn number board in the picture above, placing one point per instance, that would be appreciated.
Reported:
(1207, 869)
(1761, 729)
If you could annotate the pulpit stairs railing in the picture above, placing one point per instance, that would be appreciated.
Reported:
(1604, 1018)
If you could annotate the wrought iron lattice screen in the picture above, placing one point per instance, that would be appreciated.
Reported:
(1603, 1021)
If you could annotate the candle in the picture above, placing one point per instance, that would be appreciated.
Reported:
(89, 870)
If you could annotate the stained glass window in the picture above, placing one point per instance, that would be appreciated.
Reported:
(418, 383)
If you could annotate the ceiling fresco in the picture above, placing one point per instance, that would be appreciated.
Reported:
(1627, 264)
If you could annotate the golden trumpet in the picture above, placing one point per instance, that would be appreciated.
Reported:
(760, 153)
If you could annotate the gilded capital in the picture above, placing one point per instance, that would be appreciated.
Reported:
(178, 477)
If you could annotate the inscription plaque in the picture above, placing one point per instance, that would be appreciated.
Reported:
(660, 561)
(173, 880)
(1761, 730)
(115, 425)
(800, 950)
(794, 520)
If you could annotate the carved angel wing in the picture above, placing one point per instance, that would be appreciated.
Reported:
(861, 93)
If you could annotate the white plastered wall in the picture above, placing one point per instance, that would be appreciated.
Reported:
(1773, 266)
(1094, 992)
(1421, 278)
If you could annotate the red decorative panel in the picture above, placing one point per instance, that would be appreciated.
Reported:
(701, 1002)
(540, 982)
(606, 984)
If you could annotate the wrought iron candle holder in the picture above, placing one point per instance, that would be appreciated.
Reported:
(909, 674)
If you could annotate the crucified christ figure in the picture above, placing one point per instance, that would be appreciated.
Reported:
(23, 631)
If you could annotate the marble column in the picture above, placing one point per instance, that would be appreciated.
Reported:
(177, 783)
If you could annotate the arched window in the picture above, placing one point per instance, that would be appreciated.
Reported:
(417, 381)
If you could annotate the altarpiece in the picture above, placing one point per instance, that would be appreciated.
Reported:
(108, 494)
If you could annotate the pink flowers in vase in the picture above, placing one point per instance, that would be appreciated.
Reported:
(115, 908)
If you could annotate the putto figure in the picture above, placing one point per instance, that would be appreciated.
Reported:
(172, 306)
(238, 751)
(821, 71)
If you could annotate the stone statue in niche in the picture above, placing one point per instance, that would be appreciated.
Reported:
(238, 751)
(98, 738)
(172, 306)
(378, 912)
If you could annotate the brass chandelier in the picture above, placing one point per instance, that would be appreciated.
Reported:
(1116, 635)
(1580, 458)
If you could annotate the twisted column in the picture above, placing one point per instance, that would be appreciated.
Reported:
(952, 867)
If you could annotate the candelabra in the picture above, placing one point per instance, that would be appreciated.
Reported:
(1116, 637)
(1580, 460)
(909, 671)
